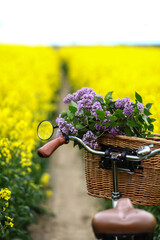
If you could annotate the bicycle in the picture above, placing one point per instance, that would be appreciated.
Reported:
(123, 221)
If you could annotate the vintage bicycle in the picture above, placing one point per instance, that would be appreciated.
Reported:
(121, 166)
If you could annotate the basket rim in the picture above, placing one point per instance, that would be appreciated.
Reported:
(142, 140)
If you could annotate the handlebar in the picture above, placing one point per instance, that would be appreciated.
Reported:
(47, 150)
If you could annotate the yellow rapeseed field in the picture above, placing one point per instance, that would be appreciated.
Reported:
(120, 69)
(29, 80)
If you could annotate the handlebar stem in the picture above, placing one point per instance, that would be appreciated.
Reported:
(78, 140)
(100, 153)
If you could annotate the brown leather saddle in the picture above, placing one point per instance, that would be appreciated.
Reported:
(124, 219)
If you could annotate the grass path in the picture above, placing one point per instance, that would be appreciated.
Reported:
(72, 207)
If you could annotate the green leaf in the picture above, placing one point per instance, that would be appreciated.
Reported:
(119, 113)
(149, 105)
(100, 117)
(74, 104)
(99, 99)
(83, 130)
(131, 123)
(63, 114)
(101, 114)
(88, 113)
(108, 96)
(150, 120)
(79, 126)
(70, 115)
(75, 121)
(128, 131)
(120, 123)
(72, 109)
(113, 118)
(138, 97)
(112, 124)
(106, 124)
(111, 104)
(145, 120)
(140, 118)
(85, 121)
(136, 111)
(91, 126)
(146, 112)
(151, 127)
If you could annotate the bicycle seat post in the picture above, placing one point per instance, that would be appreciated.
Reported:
(115, 194)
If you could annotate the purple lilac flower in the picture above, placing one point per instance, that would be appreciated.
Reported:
(108, 113)
(140, 106)
(113, 131)
(98, 126)
(126, 105)
(79, 95)
(83, 91)
(128, 108)
(65, 127)
(59, 133)
(96, 106)
(121, 102)
(68, 98)
(90, 139)
(105, 129)
(85, 103)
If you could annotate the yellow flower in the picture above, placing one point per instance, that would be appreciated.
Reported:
(38, 166)
(49, 193)
(11, 224)
(9, 221)
(25, 162)
(45, 179)
(9, 218)
(29, 170)
(5, 193)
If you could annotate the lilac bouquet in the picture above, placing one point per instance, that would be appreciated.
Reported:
(90, 115)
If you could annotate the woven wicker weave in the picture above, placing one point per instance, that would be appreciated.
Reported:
(143, 188)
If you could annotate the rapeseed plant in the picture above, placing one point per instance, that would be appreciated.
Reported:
(29, 81)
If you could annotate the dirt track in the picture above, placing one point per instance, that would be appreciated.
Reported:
(70, 203)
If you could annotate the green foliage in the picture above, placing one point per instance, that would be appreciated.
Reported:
(138, 97)
(27, 192)
(156, 212)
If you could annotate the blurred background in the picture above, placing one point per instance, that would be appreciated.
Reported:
(50, 46)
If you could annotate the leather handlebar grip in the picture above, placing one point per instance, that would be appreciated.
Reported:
(46, 150)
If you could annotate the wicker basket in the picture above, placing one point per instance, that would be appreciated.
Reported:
(143, 188)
